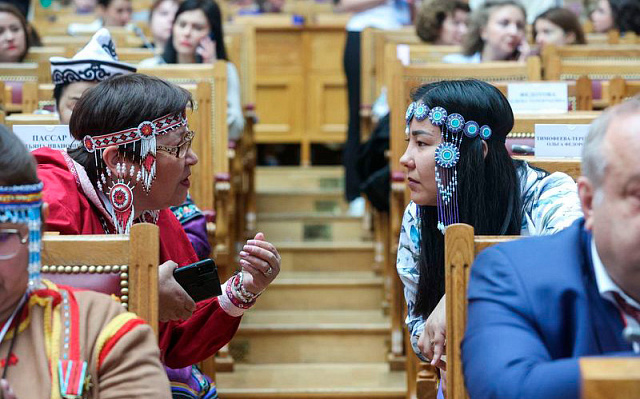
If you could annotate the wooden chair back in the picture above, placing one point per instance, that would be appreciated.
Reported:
(210, 145)
(610, 378)
(240, 41)
(14, 75)
(123, 266)
(41, 55)
(31, 119)
(461, 248)
(553, 56)
(621, 89)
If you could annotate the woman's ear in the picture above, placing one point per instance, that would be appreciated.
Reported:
(111, 157)
(570, 38)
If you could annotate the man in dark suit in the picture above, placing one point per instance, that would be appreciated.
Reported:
(538, 304)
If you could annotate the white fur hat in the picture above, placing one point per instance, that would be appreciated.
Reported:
(96, 62)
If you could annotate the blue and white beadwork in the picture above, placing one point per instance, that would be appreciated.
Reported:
(453, 128)
(421, 112)
(21, 205)
(410, 110)
(485, 132)
(455, 123)
(471, 129)
(438, 116)
(447, 155)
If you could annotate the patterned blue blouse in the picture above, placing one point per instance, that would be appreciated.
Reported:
(550, 203)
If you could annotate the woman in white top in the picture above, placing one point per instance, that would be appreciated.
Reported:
(496, 33)
(197, 37)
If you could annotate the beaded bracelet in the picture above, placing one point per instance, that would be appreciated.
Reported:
(234, 296)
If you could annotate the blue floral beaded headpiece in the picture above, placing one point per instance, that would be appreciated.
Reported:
(21, 204)
(453, 128)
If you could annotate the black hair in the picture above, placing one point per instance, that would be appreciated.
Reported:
(626, 15)
(17, 166)
(120, 103)
(214, 16)
(105, 3)
(488, 186)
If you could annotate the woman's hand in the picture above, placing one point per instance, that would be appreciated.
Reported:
(7, 392)
(174, 302)
(433, 341)
(207, 50)
(260, 262)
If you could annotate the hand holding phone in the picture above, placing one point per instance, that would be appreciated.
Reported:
(207, 49)
(200, 280)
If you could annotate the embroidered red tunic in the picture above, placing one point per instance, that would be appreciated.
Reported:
(74, 208)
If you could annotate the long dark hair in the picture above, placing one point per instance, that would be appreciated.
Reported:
(626, 15)
(212, 11)
(17, 166)
(565, 19)
(120, 103)
(488, 186)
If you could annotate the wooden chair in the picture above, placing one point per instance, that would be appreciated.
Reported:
(621, 89)
(41, 55)
(123, 266)
(554, 56)
(610, 378)
(461, 247)
(14, 75)
(31, 119)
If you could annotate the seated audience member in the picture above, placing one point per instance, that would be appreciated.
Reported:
(558, 26)
(496, 33)
(459, 170)
(197, 37)
(85, 6)
(622, 15)
(16, 36)
(161, 21)
(96, 62)
(110, 12)
(134, 163)
(444, 23)
(537, 305)
(110, 352)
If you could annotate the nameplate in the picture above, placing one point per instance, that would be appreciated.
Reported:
(560, 141)
(38, 136)
(403, 52)
(538, 97)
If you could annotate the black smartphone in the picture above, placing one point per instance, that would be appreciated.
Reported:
(199, 279)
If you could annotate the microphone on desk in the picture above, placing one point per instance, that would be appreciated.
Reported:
(631, 334)
(145, 42)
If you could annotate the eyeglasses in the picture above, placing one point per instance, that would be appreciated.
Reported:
(10, 242)
(180, 150)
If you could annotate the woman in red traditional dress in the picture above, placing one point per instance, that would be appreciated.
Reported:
(134, 163)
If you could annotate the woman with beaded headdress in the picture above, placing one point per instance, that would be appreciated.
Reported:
(459, 171)
(135, 162)
(56, 341)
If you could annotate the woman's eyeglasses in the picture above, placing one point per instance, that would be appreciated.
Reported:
(10, 242)
(180, 150)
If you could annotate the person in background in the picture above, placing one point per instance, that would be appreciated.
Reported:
(558, 26)
(459, 171)
(197, 37)
(442, 23)
(97, 61)
(110, 12)
(623, 15)
(161, 18)
(496, 33)
(539, 304)
(380, 14)
(16, 36)
(85, 6)
(107, 353)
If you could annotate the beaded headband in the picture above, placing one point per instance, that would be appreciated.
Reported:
(453, 128)
(21, 204)
(120, 193)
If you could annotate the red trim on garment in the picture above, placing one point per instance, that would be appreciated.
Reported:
(111, 342)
